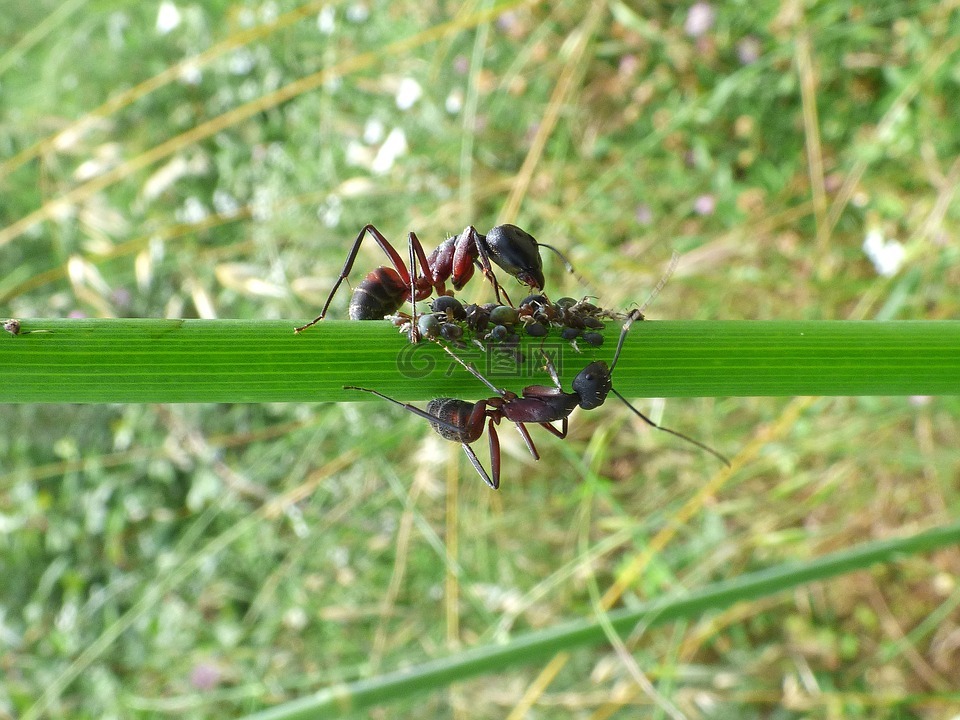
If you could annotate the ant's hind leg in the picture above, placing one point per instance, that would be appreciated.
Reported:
(560, 432)
(410, 408)
(475, 461)
(387, 248)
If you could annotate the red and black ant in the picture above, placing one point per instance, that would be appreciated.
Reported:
(463, 422)
(385, 289)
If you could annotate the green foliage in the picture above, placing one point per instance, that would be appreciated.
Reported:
(210, 560)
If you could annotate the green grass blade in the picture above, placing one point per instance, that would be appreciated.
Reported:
(94, 361)
(538, 645)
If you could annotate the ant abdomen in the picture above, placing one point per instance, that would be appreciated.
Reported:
(457, 413)
(378, 295)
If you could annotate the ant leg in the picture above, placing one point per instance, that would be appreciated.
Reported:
(471, 368)
(505, 296)
(680, 435)
(551, 368)
(427, 269)
(412, 408)
(348, 266)
(414, 328)
(561, 432)
(471, 456)
(528, 440)
(475, 461)
(494, 453)
(497, 288)
(486, 267)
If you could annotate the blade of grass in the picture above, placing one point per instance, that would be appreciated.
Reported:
(537, 645)
(93, 361)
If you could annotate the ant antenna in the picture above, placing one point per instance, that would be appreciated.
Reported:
(634, 315)
(638, 315)
(559, 254)
(567, 264)
(680, 435)
(667, 274)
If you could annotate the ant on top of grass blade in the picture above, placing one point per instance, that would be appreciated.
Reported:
(463, 422)
(385, 289)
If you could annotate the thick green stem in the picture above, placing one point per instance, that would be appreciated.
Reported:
(263, 361)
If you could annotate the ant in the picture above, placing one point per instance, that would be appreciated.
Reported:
(463, 422)
(384, 290)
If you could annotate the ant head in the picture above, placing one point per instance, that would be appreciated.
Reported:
(592, 384)
(516, 251)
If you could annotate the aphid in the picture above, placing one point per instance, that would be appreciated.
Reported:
(385, 289)
(536, 329)
(504, 315)
(429, 325)
(499, 333)
(449, 306)
(451, 331)
(478, 317)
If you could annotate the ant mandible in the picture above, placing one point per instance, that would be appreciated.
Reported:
(385, 289)
(463, 422)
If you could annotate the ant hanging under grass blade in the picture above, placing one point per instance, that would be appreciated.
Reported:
(463, 422)
(385, 289)
(544, 405)
(459, 421)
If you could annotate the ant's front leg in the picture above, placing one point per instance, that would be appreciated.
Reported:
(471, 238)
(552, 369)
(414, 328)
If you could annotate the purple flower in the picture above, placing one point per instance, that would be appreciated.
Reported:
(700, 19)
(705, 205)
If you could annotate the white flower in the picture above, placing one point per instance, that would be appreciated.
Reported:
(408, 93)
(886, 255)
(393, 147)
(325, 20)
(168, 17)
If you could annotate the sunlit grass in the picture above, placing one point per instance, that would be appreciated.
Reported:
(265, 361)
(222, 559)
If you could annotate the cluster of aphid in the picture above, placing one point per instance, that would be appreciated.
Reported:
(384, 290)
(535, 316)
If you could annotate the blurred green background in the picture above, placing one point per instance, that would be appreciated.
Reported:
(217, 159)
